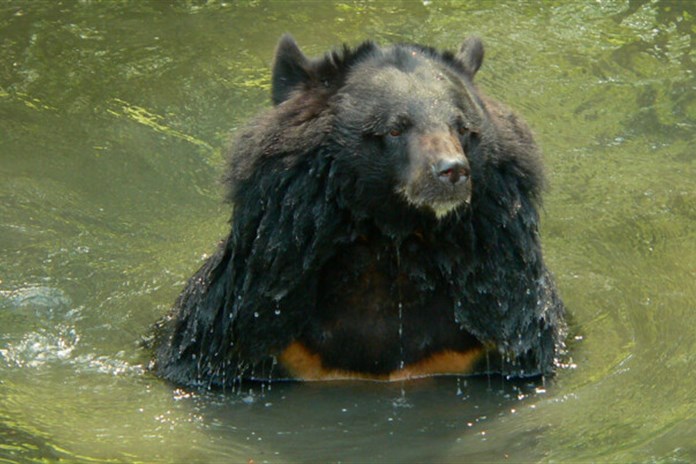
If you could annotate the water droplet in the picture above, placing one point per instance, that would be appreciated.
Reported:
(256, 314)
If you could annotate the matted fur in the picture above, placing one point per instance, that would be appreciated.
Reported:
(299, 200)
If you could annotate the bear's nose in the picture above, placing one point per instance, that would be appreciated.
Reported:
(452, 171)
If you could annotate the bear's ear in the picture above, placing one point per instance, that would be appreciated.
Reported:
(290, 68)
(470, 55)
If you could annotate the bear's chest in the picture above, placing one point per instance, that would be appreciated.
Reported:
(383, 311)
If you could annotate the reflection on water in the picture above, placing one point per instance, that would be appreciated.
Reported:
(111, 120)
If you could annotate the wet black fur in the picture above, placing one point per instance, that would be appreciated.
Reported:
(308, 221)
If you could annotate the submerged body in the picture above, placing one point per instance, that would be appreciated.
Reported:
(384, 227)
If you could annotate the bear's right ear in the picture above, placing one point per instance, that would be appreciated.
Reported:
(470, 55)
(290, 68)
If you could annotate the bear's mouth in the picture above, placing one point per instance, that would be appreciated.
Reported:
(436, 197)
(443, 209)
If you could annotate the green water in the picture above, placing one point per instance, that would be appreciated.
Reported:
(112, 117)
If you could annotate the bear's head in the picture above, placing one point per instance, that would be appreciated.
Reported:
(406, 121)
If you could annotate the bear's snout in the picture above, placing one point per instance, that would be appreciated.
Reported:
(451, 171)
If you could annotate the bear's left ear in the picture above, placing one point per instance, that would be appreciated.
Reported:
(471, 55)
(290, 68)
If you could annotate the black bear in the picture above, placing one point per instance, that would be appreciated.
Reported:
(384, 226)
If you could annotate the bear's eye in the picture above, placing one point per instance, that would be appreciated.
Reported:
(463, 130)
(395, 132)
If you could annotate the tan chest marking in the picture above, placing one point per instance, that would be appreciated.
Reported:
(303, 364)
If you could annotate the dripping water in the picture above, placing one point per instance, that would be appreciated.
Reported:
(401, 401)
(224, 375)
(401, 333)
(400, 308)
(460, 387)
(274, 363)
(488, 369)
